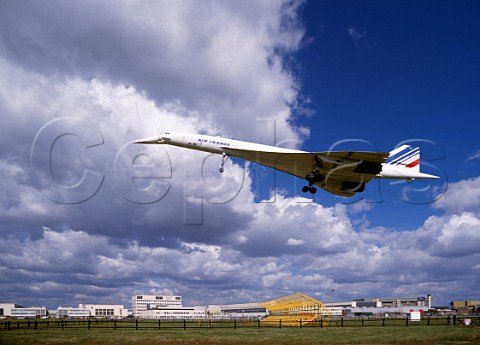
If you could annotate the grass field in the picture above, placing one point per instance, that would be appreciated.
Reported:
(418, 335)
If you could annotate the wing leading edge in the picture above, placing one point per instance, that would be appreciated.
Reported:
(342, 173)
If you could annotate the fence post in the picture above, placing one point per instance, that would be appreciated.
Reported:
(36, 324)
(300, 323)
(234, 324)
(28, 323)
(428, 321)
(383, 322)
(62, 325)
(362, 322)
(279, 323)
(406, 321)
(184, 324)
(136, 323)
(159, 324)
(114, 324)
(342, 322)
(258, 321)
(321, 322)
(8, 325)
(89, 324)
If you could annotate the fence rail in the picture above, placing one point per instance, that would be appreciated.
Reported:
(12, 325)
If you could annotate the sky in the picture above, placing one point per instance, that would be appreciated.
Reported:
(88, 217)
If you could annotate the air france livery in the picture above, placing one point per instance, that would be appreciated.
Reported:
(343, 173)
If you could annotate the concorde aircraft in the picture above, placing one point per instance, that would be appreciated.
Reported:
(343, 173)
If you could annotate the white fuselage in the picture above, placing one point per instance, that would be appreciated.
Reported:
(212, 144)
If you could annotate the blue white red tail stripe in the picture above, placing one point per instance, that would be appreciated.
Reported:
(413, 164)
(406, 156)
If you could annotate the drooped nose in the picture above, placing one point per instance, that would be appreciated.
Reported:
(158, 139)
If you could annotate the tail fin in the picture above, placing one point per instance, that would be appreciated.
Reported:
(405, 156)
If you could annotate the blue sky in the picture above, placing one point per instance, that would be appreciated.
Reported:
(391, 71)
(81, 80)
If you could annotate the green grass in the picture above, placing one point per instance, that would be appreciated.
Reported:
(418, 335)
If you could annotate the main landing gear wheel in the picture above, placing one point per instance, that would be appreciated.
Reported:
(312, 178)
(306, 189)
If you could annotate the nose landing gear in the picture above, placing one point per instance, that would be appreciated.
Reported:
(224, 159)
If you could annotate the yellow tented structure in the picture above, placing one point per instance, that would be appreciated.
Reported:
(295, 309)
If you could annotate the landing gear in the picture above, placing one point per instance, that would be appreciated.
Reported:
(224, 159)
(312, 178)
(310, 189)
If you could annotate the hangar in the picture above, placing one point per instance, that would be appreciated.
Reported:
(294, 308)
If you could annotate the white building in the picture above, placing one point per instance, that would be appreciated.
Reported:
(111, 311)
(381, 306)
(335, 311)
(29, 313)
(147, 302)
(182, 313)
(244, 310)
(72, 312)
(6, 309)
(385, 311)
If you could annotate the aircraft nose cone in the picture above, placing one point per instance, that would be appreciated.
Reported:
(150, 140)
